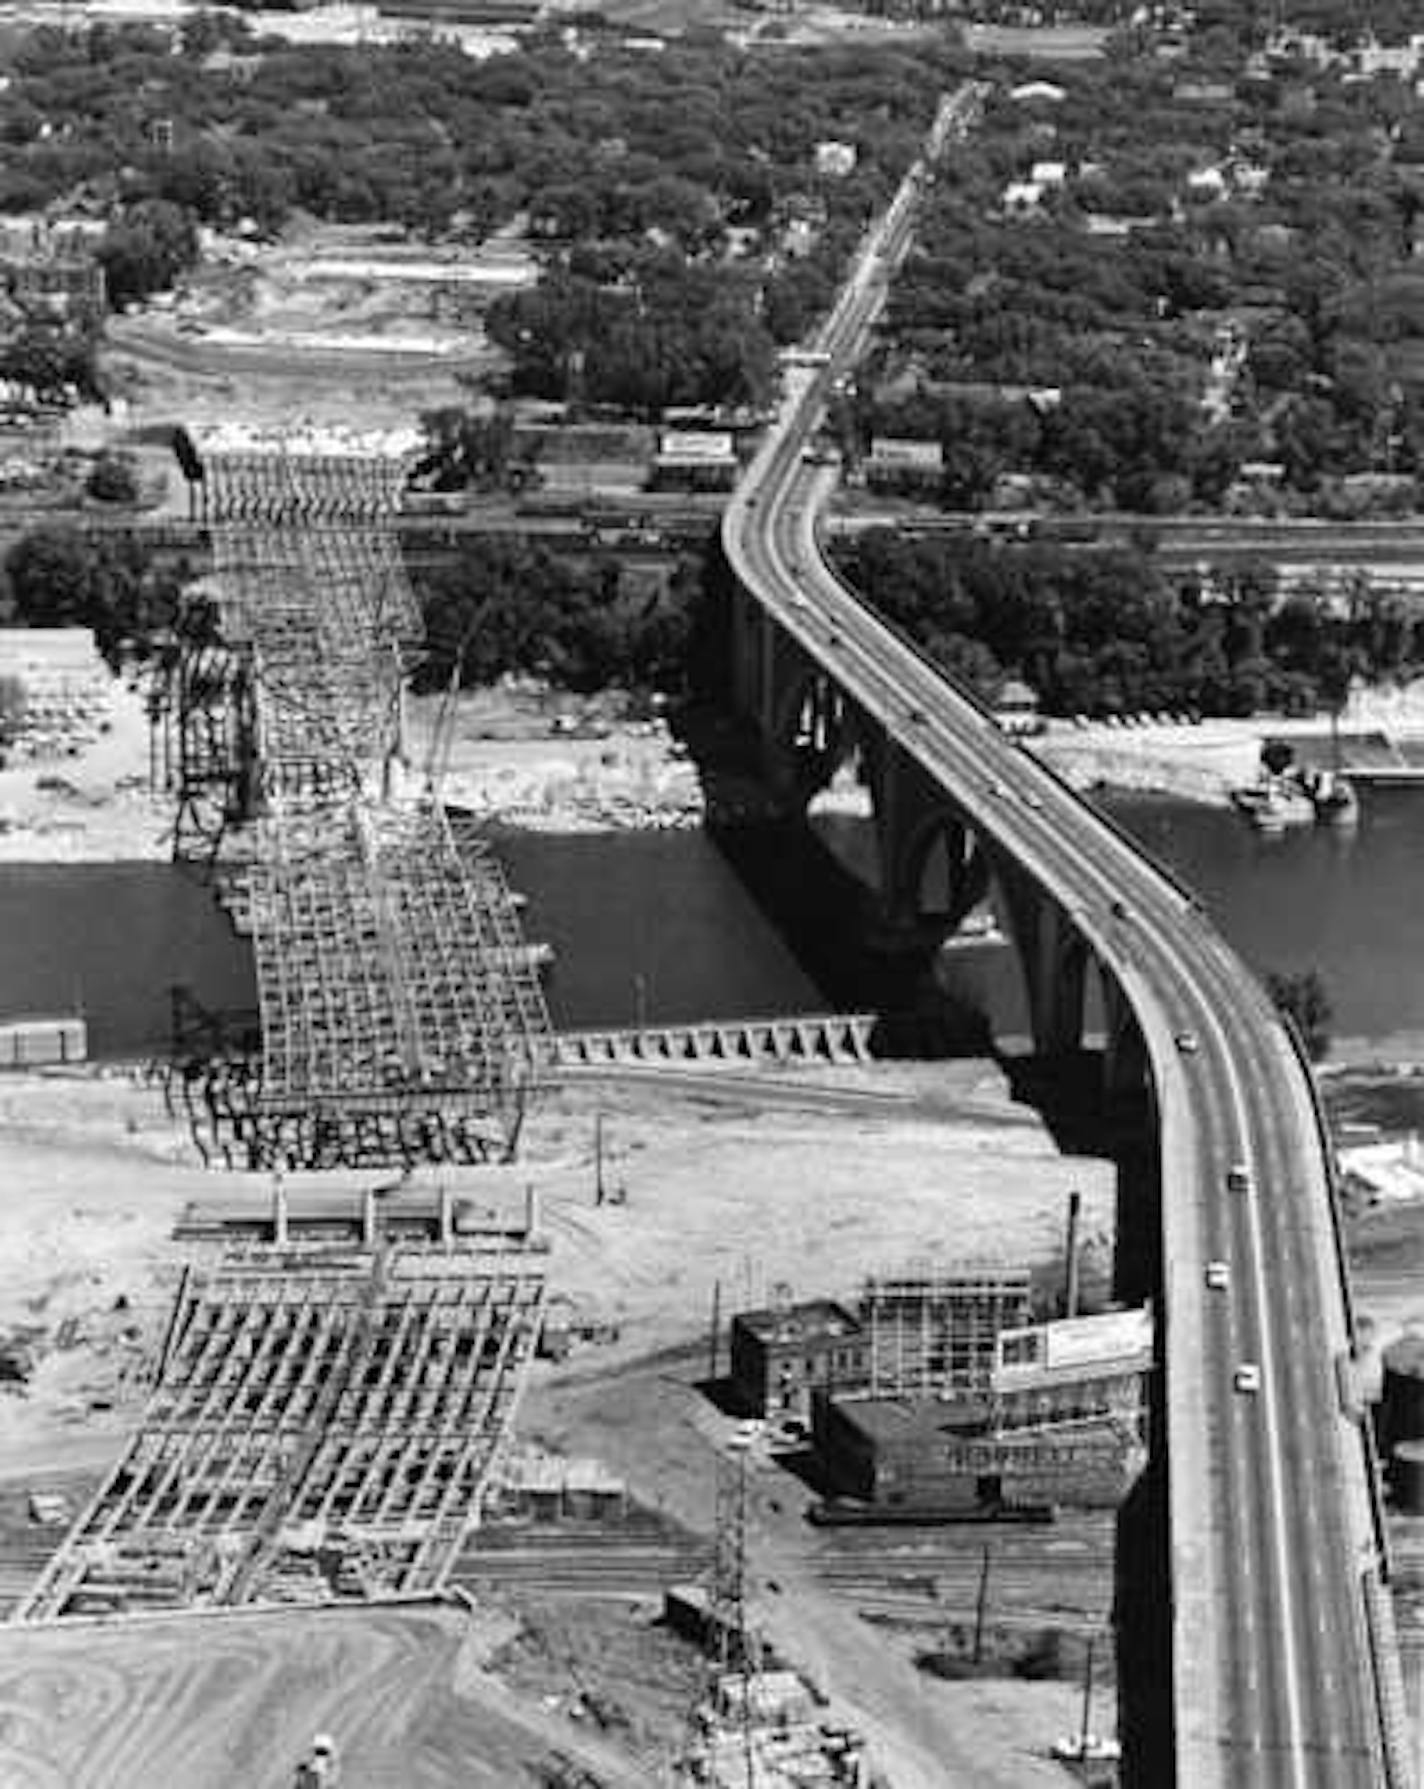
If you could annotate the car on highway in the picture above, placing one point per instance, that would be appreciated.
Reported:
(1186, 1042)
(1238, 1178)
(1218, 1275)
(1118, 909)
(917, 715)
(1247, 1378)
(998, 789)
(1031, 800)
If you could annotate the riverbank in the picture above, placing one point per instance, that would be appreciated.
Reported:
(544, 761)
(516, 753)
(1204, 761)
(1201, 763)
(547, 761)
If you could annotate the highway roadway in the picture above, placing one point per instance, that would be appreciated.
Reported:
(1275, 1674)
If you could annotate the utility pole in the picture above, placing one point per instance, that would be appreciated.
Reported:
(981, 1603)
(737, 1651)
(1087, 1697)
(1070, 1296)
(712, 1350)
(600, 1192)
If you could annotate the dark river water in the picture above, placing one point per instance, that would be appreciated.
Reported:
(664, 926)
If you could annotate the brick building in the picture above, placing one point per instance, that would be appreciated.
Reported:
(779, 1356)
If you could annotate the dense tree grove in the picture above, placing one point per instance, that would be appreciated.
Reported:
(51, 361)
(12, 710)
(510, 605)
(673, 333)
(505, 604)
(62, 577)
(1102, 630)
(607, 149)
(145, 249)
(1305, 1002)
(1186, 276)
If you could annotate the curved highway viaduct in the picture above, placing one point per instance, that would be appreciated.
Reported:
(1283, 1663)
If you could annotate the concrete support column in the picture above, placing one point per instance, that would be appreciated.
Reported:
(1124, 1051)
(753, 662)
(1055, 962)
(766, 687)
(914, 827)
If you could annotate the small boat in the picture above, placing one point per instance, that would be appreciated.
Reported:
(1274, 804)
(1336, 803)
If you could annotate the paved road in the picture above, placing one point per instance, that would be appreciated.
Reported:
(1274, 1679)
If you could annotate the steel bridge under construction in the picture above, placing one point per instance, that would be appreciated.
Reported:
(400, 1017)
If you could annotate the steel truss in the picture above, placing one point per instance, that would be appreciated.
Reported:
(324, 1426)
(401, 1019)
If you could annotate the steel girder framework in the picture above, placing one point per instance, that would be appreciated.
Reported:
(401, 1018)
(323, 1426)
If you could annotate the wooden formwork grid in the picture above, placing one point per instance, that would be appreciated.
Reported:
(387, 968)
(401, 1019)
(324, 1424)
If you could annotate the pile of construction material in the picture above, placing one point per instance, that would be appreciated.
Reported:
(767, 1728)
(66, 689)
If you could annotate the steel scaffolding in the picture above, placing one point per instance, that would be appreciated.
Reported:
(936, 1330)
(324, 1426)
(401, 1017)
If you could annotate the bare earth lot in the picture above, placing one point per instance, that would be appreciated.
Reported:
(751, 1190)
(214, 1702)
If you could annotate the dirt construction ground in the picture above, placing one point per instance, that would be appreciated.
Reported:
(811, 1179)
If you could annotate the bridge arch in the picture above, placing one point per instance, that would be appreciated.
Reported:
(815, 732)
(936, 873)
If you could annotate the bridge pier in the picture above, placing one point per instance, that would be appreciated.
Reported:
(1054, 956)
(932, 868)
(1126, 1070)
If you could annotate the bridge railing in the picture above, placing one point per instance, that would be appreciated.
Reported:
(1379, 1621)
(1337, 1225)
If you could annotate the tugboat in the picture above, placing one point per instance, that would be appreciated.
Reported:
(1274, 804)
(1336, 803)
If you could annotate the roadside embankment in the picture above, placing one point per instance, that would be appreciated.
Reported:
(533, 758)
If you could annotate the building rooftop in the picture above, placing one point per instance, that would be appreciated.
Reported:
(304, 440)
(819, 1319)
(1016, 694)
(885, 1421)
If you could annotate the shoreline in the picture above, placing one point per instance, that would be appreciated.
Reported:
(522, 755)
